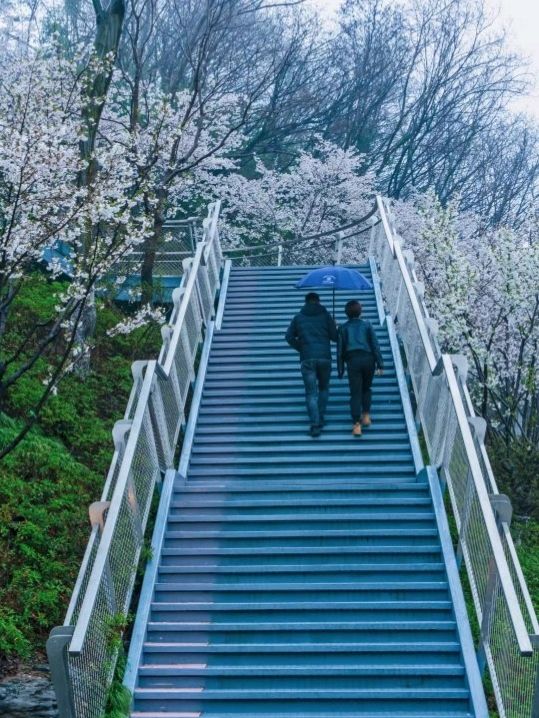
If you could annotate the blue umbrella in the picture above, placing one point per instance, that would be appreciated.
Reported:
(334, 278)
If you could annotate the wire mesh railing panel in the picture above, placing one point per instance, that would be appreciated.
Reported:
(213, 263)
(515, 677)
(173, 405)
(123, 549)
(435, 419)
(164, 438)
(84, 576)
(191, 330)
(242, 258)
(91, 670)
(146, 442)
(204, 293)
(178, 242)
(145, 469)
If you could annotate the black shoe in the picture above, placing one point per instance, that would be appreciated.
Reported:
(315, 430)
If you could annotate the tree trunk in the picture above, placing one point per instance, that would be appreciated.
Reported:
(85, 330)
(109, 25)
(150, 247)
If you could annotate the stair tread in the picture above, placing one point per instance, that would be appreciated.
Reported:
(390, 647)
(385, 532)
(294, 669)
(420, 714)
(303, 605)
(296, 568)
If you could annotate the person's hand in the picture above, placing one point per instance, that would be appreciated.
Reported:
(379, 372)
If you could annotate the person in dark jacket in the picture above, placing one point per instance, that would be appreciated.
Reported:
(360, 351)
(310, 333)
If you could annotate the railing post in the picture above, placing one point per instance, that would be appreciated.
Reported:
(57, 653)
(280, 255)
(96, 511)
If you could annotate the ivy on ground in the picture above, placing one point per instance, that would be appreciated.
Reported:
(48, 481)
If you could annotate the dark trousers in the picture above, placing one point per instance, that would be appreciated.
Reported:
(361, 368)
(316, 373)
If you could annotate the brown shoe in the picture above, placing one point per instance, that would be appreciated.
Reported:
(366, 419)
(356, 430)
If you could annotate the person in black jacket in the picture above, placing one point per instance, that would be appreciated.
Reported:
(310, 333)
(359, 349)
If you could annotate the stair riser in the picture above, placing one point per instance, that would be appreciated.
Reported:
(272, 616)
(268, 528)
(307, 562)
(219, 594)
(276, 503)
(292, 504)
(186, 492)
(302, 517)
(386, 419)
(290, 682)
(297, 412)
(277, 543)
(251, 707)
(373, 472)
(233, 579)
(390, 654)
(277, 637)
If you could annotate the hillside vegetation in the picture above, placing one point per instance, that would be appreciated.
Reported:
(48, 481)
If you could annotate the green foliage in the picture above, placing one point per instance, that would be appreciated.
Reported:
(116, 625)
(47, 483)
(12, 639)
(44, 494)
(526, 535)
(516, 468)
(146, 552)
(119, 698)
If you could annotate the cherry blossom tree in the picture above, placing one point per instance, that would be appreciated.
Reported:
(44, 207)
(320, 194)
(481, 286)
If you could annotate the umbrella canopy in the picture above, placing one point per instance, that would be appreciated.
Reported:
(334, 278)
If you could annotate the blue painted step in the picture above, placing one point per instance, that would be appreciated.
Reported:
(298, 578)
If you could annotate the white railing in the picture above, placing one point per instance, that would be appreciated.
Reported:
(180, 239)
(82, 652)
(350, 247)
(509, 631)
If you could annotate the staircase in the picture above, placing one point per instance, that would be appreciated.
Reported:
(299, 577)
